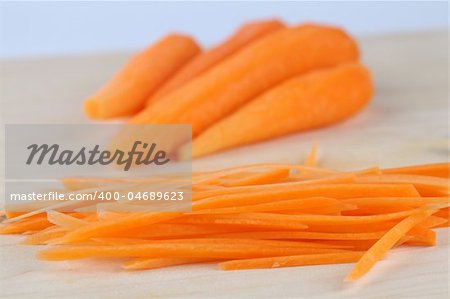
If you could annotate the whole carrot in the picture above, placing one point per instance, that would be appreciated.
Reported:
(129, 89)
(246, 34)
(317, 99)
(254, 69)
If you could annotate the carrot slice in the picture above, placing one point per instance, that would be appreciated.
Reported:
(292, 261)
(130, 88)
(322, 97)
(245, 35)
(256, 68)
(427, 186)
(197, 250)
(382, 246)
(435, 169)
(271, 176)
(281, 193)
(106, 228)
(156, 263)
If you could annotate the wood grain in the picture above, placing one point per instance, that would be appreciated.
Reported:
(406, 123)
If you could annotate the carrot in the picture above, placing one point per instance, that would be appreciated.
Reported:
(155, 263)
(292, 261)
(198, 250)
(36, 223)
(305, 205)
(129, 89)
(106, 228)
(245, 35)
(332, 190)
(435, 169)
(312, 156)
(304, 102)
(256, 68)
(64, 220)
(302, 235)
(382, 246)
(271, 176)
(427, 186)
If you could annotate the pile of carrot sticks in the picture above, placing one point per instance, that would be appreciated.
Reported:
(268, 75)
(259, 216)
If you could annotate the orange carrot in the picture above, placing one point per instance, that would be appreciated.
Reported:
(246, 34)
(155, 263)
(435, 169)
(129, 89)
(290, 192)
(427, 186)
(292, 261)
(382, 246)
(304, 102)
(198, 250)
(262, 178)
(312, 156)
(253, 70)
(106, 228)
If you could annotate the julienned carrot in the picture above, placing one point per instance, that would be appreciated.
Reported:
(382, 246)
(107, 228)
(271, 176)
(339, 178)
(246, 34)
(427, 186)
(155, 263)
(197, 250)
(311, 159)
(258, 67)
(130, 88)
(321, 98)
(306, 205)
(434, 169)
(280, 218)
(291, 261)
(303, 235)
(333, 190)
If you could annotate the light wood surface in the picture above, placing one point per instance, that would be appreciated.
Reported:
(406, 123)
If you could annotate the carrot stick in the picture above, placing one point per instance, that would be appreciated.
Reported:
(130, 88)
(64, 220)
(44, 236)
(271, 176)
(292, 261)
(156, 263)
(427, 186)
(302, 235)
(382, 246)
(332, 190)
(332, 179)
(321, 97)
(199, 250)
(435, 169)
(253, 70)
(306, 205)
(38, 222)
(312, 156)
(108, 227)
(245, 35)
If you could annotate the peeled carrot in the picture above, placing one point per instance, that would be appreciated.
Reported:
(155, 263)
(246, 34)
(290, 192)
(291, 261)
(198, 250)
(381, 247)
(304, 102)
(427, 186)
(130, 88)
(267, 177)
(253, 70)
(435, 169)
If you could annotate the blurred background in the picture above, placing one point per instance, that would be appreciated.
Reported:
(29, 29)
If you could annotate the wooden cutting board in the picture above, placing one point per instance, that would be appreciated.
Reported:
(406, 123)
